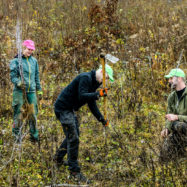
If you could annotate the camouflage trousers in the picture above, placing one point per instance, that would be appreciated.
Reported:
(175, 144)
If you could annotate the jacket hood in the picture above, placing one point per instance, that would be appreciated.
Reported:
(21, 56)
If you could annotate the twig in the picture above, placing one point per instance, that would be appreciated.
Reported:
(180, 58)
(69, 185)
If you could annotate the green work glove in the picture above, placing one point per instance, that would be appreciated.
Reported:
(40, 94)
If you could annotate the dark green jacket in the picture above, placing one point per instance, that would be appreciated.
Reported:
(30, 73)
(178, 107)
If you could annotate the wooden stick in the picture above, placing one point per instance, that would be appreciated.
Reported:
(69, 185)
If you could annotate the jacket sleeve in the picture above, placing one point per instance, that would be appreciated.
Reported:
(182, 118)
(95, 111)
(14, 72)
(37, 77)
(83, 90)
(171, 110)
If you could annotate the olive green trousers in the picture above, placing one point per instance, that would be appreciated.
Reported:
(17, 104)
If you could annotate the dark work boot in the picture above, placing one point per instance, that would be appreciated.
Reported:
(79, 177)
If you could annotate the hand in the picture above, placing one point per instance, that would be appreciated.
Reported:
(171, 117)
(103, 92)
(164, 132)
(105, 123)
(21, 85)
(40, 95)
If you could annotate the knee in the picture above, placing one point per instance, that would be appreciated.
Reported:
(73, 138)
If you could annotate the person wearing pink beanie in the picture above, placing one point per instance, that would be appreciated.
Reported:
(26, 82)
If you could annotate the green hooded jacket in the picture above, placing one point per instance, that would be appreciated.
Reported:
(178, 107)
(30, 73)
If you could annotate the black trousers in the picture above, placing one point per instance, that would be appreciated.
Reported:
(70, 144)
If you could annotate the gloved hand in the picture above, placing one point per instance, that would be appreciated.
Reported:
(40, 94)
(21, 85)
(105, 122)
(103, 92)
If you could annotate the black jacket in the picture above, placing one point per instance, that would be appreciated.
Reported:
(80, 91)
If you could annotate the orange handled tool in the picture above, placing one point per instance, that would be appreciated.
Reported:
(102, 58)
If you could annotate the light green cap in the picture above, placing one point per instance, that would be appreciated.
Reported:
(175, 73)
(109, 71)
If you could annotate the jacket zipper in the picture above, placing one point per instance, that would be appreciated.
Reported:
(178, 100)
(29, 73)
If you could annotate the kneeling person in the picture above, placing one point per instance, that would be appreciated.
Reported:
(176, 118)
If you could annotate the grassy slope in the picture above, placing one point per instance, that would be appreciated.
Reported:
(127, 153)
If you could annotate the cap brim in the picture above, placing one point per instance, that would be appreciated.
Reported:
(111, 79)
(167, 76)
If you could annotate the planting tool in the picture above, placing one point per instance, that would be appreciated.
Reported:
(113, 60)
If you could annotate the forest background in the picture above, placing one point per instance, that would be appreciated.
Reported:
(147, 36)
